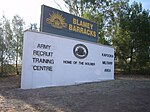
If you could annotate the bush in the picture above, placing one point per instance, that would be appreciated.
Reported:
(8, 69)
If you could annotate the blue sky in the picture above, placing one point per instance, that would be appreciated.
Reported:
(145, 3)
(30, 10)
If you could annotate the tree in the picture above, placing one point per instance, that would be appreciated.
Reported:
(75, 6)
(141, 39)
(6, 43)
(132, 40)
(1, 51)
(33, 27)
(18, 25)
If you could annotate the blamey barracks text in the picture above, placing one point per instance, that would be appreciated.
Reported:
(61, 23)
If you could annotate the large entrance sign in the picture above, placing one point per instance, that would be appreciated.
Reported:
(54, 60)
(61, 23)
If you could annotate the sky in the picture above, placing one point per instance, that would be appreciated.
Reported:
(30, 10)
(145, 3)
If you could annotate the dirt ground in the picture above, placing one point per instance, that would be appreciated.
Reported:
(124, 94)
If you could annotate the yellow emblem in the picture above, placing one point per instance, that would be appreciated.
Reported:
(56, 20)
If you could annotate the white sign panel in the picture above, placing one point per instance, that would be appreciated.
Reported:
(52, 60)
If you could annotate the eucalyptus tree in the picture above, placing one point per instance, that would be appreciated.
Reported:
(6, 43)
(18, 26)
(1, 51)
(33, 27)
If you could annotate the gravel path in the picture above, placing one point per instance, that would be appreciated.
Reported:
(125, 94)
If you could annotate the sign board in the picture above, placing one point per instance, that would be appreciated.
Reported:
(53, 60)
(61, 23)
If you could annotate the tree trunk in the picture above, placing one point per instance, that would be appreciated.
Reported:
(131, 61)
(17, 67)
(17, 59)
(2, 67)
